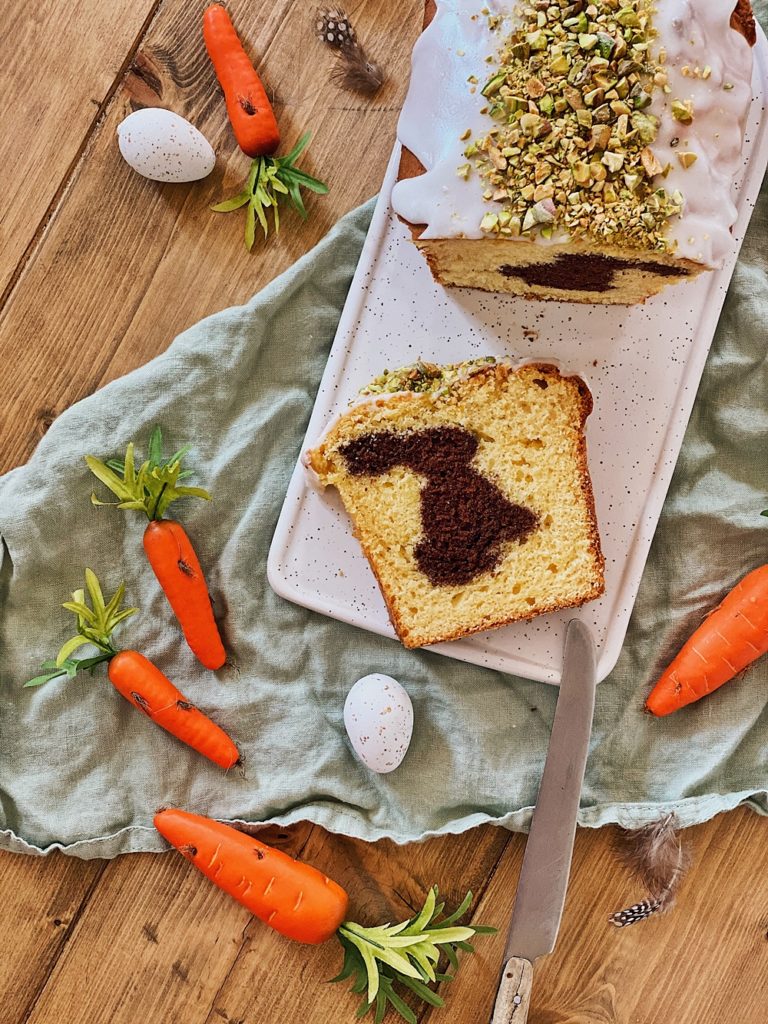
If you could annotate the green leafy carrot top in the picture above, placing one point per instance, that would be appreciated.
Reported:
(405, 954)
(150, 489)
(270, 179)
(95, 624)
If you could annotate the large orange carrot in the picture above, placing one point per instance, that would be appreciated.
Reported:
(151, 489)
(294, 898)
(178, 572)
(147, 688)
(733, 636)
(133, 675)
(250, 112)
(302, 903)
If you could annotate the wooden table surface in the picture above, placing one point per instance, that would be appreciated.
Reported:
(99, 269)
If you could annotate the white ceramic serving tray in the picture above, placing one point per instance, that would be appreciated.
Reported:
(643, 365)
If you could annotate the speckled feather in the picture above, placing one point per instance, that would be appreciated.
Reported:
(655, 855)
(352, 69)
(334, 28)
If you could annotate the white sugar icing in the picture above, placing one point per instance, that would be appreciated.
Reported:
(440, 107)
(696, 33)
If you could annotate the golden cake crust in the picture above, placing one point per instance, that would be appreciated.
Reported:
(742, 20)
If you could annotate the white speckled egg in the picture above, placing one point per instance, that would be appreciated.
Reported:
(378, 717)
(163, 146)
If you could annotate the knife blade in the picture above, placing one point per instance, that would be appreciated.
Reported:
(543, 880)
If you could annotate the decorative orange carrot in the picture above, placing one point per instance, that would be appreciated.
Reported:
(151, 490)
(145, 686)
(296, 899)
(250, 112)
(178, 571)
(133, 675)
(255, 126)
(733, 636)
(303, 904)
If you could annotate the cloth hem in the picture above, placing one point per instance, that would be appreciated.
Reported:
(144, 838)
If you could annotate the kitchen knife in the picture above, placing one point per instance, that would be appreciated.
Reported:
(543, 878)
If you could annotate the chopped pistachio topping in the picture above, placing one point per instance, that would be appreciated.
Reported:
(425, 377)
(682, 112)
(688, 72)
(570, 147)
(651, 163)
(687, 159)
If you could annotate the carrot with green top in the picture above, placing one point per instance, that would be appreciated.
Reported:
(152, 489)
(304, 904)
(255, 127)
(133, 675)
(732, 636)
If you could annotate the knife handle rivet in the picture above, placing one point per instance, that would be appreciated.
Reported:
(517, 999)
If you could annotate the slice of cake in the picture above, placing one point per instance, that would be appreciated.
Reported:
(469, 493)
(564, 149)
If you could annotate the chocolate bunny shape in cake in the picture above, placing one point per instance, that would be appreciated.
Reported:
(465, 517)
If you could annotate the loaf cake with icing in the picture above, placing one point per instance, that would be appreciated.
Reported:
(575, 150)
(469, 492)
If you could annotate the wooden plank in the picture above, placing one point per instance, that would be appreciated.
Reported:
(42, 899)
(274, 980)
(127, 263)
(155, 942)
(703, 961)
(164, 921)
(180, 950)
(61, 62)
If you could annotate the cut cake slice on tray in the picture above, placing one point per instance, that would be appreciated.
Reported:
(469, 492)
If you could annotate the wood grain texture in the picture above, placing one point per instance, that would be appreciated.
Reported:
(128, 263)
(41, 903)
(105, 268)
(61, 61)
(155, 942)
(702, 962)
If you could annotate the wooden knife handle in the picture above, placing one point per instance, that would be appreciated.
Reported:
(514, 995)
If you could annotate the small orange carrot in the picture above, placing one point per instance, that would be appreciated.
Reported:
(271, 178)
(133, 675)
(295, 899)
(733, 636)
(152, 489)
(248, 105)
(149, 690)
(250, 112)
(178, 572)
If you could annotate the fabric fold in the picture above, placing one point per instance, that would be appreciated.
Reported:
(81, 771)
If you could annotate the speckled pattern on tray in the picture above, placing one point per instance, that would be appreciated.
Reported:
(642, 364)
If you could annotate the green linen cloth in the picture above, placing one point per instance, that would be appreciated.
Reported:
(82, 770)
